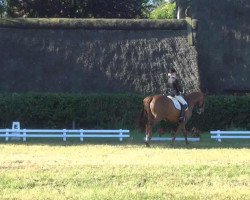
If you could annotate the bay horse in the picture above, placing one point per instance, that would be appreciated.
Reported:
(161, 107)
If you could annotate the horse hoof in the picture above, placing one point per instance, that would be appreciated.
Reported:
(147, 144)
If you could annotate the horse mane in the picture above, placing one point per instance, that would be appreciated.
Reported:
(192, 95)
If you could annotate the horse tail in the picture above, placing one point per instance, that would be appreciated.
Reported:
(144, 117)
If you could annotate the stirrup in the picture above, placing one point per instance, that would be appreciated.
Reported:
(182, 119)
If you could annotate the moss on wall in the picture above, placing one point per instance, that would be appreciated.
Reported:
(110, 24)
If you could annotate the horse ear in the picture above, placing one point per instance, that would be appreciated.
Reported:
(206, 92)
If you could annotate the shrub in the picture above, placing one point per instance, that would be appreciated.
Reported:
(109, 111)
(60, 110)
(224, 112)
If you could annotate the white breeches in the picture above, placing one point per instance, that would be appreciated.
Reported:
(181, 99)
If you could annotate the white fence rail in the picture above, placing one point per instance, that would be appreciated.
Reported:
(62, 133)
(176, 139)
(219, 135)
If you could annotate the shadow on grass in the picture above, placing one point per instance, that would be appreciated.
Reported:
(137, 139)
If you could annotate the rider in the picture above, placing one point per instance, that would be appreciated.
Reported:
(176, 91)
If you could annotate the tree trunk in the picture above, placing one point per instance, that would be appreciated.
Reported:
(181, 6)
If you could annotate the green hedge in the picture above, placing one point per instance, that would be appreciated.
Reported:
(224, 112)
(110, 111)
(59, 110)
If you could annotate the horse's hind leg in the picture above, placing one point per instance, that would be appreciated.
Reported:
(183, 129)
(174, 135)
(185, 135)
(148, 134)
(149, 129)
(173, 138)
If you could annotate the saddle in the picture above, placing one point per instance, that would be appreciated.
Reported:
(177, 104)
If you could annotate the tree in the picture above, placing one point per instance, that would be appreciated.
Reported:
(78, 8)
(118, 8)
(2, 7)
(181, 8)
(159, 10)
(157, 3)
(45, 8)
(165, 11)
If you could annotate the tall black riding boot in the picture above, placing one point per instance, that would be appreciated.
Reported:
(182, 115)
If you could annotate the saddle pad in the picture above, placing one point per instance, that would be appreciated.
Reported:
(177, 105)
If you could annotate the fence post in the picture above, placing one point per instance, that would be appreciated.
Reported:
(7, 134)
(64, 135)
(81, 135)
(121, 138)
(218, 135)
(24, 135)
(16, 127)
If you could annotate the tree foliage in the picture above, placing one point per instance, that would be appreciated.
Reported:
(165, 11)
(78, 8)
(157, 3)
(2, 7)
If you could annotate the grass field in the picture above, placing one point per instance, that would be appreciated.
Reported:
(128, 170)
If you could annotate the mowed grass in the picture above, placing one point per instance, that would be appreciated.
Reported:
(128, 170)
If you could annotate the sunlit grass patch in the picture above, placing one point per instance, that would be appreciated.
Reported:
(128, 171)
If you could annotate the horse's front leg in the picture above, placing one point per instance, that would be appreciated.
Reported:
(148, 134)
(181, 128)
(174, 136)
(185, 133)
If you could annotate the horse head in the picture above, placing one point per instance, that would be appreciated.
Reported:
(197, 99)
(200, 104)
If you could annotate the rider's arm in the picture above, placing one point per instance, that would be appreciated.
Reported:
(178, 87)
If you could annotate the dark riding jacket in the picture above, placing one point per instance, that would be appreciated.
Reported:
(175, 88)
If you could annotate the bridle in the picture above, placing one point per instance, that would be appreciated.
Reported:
(200, 109)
